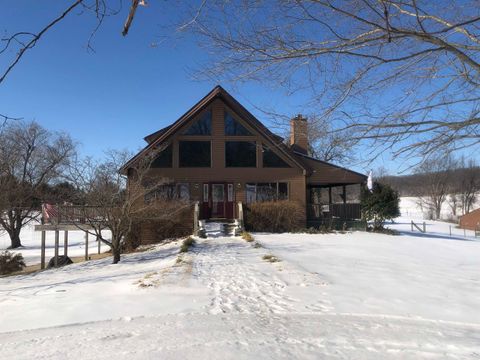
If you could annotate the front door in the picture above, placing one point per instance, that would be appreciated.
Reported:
(218, 200)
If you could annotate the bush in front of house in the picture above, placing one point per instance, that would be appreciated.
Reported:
(380, 204)
(151, 229)
(275, 216)
(10, 262)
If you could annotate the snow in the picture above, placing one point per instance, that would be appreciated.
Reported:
(31, 241)
(353, 295)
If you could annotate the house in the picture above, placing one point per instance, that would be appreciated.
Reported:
(219, 154)
(470, 221)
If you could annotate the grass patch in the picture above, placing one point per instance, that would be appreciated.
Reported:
(270, 258)
(187, 243)
(247, 236)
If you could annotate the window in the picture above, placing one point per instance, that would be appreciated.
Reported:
(353, 193)
(240, 154)
(233, 127)
(282, 191)
(164, 159)
(194, 153)
(205, 192)
(171, 191)
(272, 160)
(337, 195)
(203, 126)
(319, 196)
(266, 191)
(230, 193)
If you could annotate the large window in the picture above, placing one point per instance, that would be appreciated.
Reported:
(194, 153)
(240, 154)
(266, 191)
(164, 159)
(272, 160)
(172, 191)
(203, 126)
(233, 127)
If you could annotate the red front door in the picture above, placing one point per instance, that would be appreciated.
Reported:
(218, 200)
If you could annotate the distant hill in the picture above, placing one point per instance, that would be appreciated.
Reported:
(411, 185)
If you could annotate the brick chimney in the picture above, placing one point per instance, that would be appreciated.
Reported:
(298, 134)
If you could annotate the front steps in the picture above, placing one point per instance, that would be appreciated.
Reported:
(219, 228)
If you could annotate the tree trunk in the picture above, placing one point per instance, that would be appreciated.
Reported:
(116, 255)
(15, 240)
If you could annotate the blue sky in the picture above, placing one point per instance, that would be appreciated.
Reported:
(126, 89)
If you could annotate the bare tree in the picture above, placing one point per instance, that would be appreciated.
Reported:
(115, 202)
(23, 41)
(404, 75)
(435, 188)
(468, 185)
(328, 145)
(30, 158)
(453, 202)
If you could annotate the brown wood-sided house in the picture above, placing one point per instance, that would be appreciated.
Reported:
(219, 154)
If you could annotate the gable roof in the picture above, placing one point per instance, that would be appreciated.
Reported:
(217, 92)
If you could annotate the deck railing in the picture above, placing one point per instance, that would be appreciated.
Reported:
(71, 214)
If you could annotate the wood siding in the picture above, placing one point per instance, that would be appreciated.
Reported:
(219, 173)
(324, 173)
(471, 221)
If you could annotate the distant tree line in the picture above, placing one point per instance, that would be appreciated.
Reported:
(439, 181)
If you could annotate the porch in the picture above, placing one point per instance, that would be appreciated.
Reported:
(333, 201)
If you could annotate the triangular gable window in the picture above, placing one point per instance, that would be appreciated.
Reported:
(233, 127)
(202, 126)
(272, 160)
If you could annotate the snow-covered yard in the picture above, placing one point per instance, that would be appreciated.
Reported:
(354, 295)
(31, 241)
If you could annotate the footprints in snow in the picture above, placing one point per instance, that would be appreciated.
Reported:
(239, 285)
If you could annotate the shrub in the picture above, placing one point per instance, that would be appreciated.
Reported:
(10, 262)
(153, 230)
(275, 216)
(187, 243)
(270, 258)
(247, 236)
(381, 204)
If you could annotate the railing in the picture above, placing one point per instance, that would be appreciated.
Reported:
(71, 214)
(341, 211)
